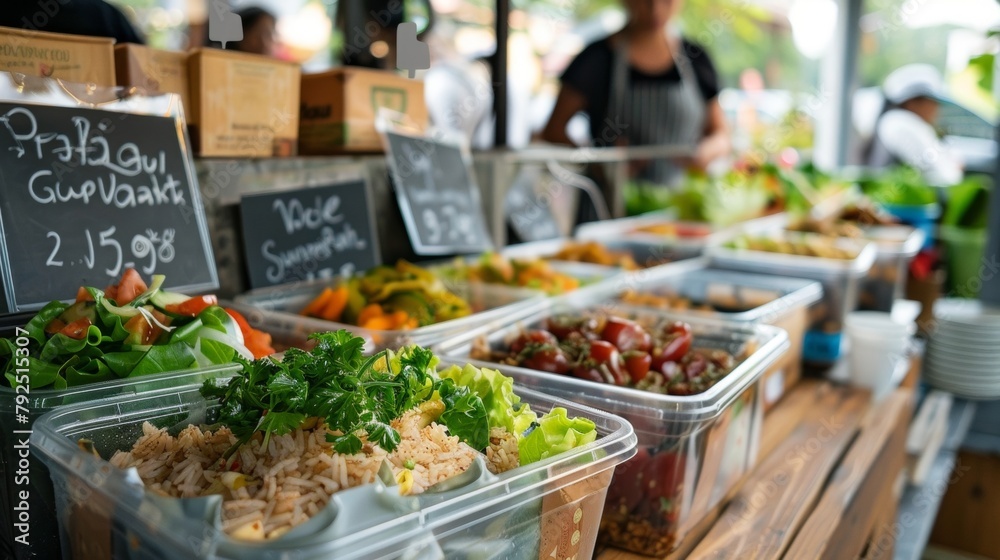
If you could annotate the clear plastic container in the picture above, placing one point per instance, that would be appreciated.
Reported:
(742, 298)
(44, 542)
(644, 254)
(551, 508)
(275, 310)
(840, 278)
(689, 239)
(589, 275)
(692, 449)
(886, 281)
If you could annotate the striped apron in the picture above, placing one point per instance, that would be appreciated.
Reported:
(657, 112)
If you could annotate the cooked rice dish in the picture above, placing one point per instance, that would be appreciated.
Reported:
(266, 492)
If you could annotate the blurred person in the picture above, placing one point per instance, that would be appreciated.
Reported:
(260, 30)
(94, 18)
(905, 134)
(645, 85)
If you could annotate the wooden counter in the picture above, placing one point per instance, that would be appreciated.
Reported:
(827, 482)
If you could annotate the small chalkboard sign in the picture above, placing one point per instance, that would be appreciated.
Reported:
(86, 193)
(308, 233)
(527, 205)
(438, 195)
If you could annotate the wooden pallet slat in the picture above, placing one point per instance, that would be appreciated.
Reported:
(845, 517)
(762, 519)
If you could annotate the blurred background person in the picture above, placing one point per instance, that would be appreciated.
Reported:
(905, 133)
(645, 85)
(260, 29)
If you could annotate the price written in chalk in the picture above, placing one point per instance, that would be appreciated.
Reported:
(148, 249)
(447, 225)
(438, 196)
(87, 193)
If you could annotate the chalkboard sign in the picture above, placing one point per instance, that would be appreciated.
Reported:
(308, 233)
(438, 196)
(527, 205)
(86, 193)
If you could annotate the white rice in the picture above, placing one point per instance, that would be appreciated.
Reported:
(293, 478)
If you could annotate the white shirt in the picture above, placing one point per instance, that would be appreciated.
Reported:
(914, 142)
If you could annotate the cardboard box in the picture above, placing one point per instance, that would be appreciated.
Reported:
(153, 70)
(73, 58)
(243, 105)
(339, 107)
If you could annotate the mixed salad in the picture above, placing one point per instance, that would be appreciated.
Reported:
(493, 268)
(609, 349)
(400, 297)
(126, 330)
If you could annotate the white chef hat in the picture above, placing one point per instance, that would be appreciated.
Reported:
(913, 80)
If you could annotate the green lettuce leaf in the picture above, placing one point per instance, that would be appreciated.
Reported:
(555, 433)
(503, 408)
(167, 357)
(36, 326)
(464, 415)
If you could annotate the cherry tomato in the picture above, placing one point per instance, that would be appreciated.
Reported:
(674, 348)
(668, 368)
(547, 358)
(696, 366)
(589, 371)
(626, 335)
(606, 356)
(663, 479)
(627, 488)
(193, 306)
(637, 364)
(539, 337)
(564, 325)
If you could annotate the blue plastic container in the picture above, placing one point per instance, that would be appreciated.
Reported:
(922, 217)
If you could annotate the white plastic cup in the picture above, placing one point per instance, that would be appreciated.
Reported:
(877, 344)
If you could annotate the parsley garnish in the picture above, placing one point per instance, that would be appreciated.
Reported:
(337, 383)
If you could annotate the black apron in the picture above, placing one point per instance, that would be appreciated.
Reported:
(658, 112)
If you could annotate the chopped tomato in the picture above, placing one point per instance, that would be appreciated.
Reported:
(130, 286)
(257, 342)
(111, 292)
(76, 330)
(55, 326)
(240, 320)
(142, 332)
(193, 306)
(83, 295)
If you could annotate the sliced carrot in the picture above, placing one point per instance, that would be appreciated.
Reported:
(369, 312)
(315, 307)
(378, 323)
(55, 325)
(83, 295)
(335, 304)
(399, 318)
(130, 287)
(411, 323)
(76, 330)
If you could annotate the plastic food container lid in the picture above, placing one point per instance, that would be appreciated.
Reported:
(772, 342)
(373, 522)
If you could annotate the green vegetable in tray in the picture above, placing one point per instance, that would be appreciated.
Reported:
(358, 397)
(903, 186)
(127, 330)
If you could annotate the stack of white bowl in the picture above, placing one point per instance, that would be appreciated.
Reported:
(963, 354)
